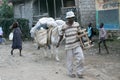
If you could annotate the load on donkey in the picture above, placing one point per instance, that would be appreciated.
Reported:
(46, 34)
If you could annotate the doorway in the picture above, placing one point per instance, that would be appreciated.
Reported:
(54, 8)
(51, 8)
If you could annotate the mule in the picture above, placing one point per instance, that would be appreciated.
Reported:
(47, 35)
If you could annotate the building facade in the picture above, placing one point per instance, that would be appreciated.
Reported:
(108, 12)
(35, 9)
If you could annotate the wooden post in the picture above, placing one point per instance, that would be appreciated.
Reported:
(62, 3)
(39, 6)
(55, 8)
(47, 7)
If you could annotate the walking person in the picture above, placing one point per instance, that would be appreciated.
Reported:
(102, 37)
(74, 52)
(90, 32)
(1, 35)
(17, 40)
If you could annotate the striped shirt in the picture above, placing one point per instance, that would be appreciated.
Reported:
(71, 33)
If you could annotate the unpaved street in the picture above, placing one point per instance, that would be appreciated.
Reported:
(33, 66)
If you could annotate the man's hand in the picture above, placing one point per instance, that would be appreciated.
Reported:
(57, 45)
(78, 36)
(61, 37)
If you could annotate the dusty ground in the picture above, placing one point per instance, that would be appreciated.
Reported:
(33, 66)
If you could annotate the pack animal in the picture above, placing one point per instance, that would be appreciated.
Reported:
(46, 36)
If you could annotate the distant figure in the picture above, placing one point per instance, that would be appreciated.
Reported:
(17, 40)
(72, 46)
(1, 35)
(90, 31)
(102, 37)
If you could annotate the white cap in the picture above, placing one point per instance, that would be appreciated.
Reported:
(70, 14)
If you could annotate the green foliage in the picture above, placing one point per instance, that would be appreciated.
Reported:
(23, 24)
(6, 11)
(95, 31)
(5, 24)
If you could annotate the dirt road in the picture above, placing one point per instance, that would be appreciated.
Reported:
(33, 66)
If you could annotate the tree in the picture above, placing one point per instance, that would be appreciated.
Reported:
(6, 10)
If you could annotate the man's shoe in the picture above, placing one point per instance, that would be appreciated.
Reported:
(72, 75)
(11, 52)
(80, 76)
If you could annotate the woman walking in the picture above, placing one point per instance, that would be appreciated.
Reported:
(17, 40)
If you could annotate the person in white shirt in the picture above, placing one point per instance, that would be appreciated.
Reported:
(1, 35)
(102, 37)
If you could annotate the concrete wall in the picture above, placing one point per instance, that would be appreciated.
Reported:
(29, 12)
(87, 12)
(24, 10)
(17, 11)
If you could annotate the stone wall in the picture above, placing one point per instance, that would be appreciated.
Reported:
(113, 33)
(87, 12)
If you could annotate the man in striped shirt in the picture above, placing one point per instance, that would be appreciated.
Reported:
(72, 46)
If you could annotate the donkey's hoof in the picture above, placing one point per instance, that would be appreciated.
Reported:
(57, 59)
(45, 56)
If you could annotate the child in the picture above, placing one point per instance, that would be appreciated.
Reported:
(102, 35)
(90, 31)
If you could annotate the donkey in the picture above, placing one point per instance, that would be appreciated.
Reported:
(49, 32)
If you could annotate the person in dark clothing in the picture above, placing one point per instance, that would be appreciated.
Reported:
(17, 40)
(102, 37)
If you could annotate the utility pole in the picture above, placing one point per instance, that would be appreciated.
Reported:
(78, 15)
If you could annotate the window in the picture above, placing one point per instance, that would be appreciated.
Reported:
(69, 3)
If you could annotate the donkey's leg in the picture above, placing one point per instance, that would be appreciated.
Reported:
(57, 57)
(56, 53)
(45, 51)
(51, 51)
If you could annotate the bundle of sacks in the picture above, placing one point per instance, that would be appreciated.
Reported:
(43, 29)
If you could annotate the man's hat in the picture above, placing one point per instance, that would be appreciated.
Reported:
(70, 14)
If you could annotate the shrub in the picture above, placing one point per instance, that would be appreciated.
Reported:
(23, 24)
(6, 10)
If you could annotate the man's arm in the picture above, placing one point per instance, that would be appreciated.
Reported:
(61, 37)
